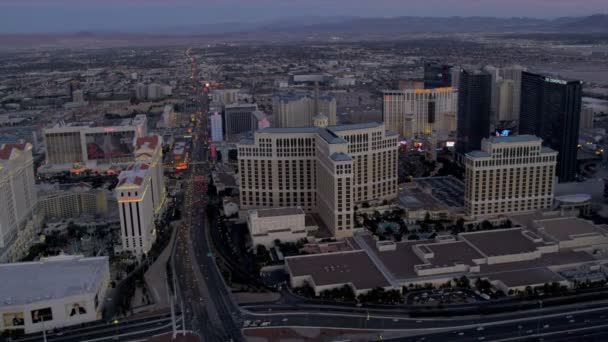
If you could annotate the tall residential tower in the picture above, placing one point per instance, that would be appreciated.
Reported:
(474, 109)
(551, 109)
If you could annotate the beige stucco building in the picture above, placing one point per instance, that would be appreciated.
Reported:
(420, 112)
(284, 224)
(509, 175)
(298, 109)
(322, 170)
(69, 202)
(17, 195)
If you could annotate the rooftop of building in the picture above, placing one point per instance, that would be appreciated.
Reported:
(107, 124)
(10, 151)
(569, 228)
(553, 78)
(399, 262)
(503, 241)
(330, 137)
(354, 267)
(148, 142)
(473, 69)
(567, 257)
(290, 130)
(527, 219)
(340, 157)
(249, 106)
(545, 149)
(524, 138)
(50, 278)
(573, 199)
(525, 277)
(135, 174)
(274, 212)
(478, 154)
(352, 127)
(328, 134)
(447, 254)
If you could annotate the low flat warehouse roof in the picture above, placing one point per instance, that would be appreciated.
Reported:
(564, 229)
(400, 262)
(501, 242)
(451, 253)
(526, 277)
(338, 268)
(279, 212)
(55, 277)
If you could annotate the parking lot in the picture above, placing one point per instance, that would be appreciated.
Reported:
(443, 296)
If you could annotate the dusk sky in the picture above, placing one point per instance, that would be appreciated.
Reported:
(125, 15)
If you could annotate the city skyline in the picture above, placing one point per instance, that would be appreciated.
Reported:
(274, 170)
(114, 15)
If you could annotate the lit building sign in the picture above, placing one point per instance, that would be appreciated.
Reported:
(555, 80)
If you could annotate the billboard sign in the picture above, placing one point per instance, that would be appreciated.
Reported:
(13, 319)
(109, 145)
(502, 132)
(41, 315)
(75, 309)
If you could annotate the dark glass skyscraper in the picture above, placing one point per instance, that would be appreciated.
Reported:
(551, 109)
(474, 109)
(437, 75)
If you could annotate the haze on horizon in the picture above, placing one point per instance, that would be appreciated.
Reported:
(36, 16)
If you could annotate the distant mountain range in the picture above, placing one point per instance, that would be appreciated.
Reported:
(396, 25)
(321, 28)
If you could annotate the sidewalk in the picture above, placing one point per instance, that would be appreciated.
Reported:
(155, 277)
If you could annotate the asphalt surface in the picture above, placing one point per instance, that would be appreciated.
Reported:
(555, 323)
(132, 329)
(209, 307)
(568, 326)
